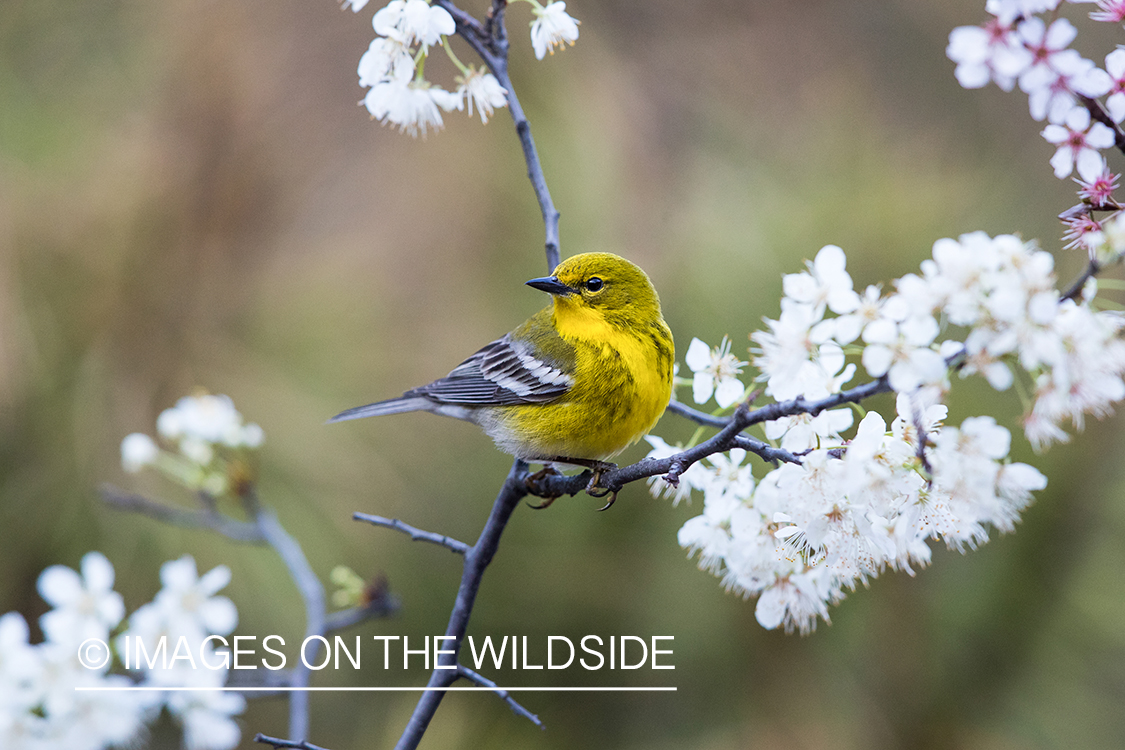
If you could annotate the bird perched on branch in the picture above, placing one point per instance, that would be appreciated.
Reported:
(577, 383)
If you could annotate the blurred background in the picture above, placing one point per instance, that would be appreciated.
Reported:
(190, 197)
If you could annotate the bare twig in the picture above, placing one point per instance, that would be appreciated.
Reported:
(1089, 272)
(416, 534)
(699, 417)
(239, 531)
(280, 743)
(312, 593)
(483, 681)
(477, 559)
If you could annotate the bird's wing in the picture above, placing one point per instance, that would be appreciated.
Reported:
(507, 371)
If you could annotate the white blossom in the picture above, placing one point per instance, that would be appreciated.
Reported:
(413, 21)
(826, 283)
(481, 89)
(385, 59)
(1115, 67)
(84, 606)
(206, 714)
(716, 372)
(552, 27)
(1078, 143)
(138, 451)
(413, 106)
(989, 53)
(793, 341)
(901, 350)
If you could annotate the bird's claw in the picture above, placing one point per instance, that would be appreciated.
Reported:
(612, 499)
(531, 480)
(593, 490)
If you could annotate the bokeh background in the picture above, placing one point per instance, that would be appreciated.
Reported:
(190, 197)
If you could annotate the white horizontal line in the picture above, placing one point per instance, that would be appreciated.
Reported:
(425, 689)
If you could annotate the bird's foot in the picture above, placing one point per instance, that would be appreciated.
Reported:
(530, 482)
(593, 488)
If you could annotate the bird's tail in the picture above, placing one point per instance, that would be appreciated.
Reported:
(390, 406)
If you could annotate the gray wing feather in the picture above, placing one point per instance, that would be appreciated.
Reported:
(502, 373)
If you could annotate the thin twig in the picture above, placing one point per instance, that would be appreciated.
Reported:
(1091, 270)
(765, 451)
(416, 534)
(239, 531)
(699, 417)
(312, 594)
(280, 743)
(477, 559)
(483, 681)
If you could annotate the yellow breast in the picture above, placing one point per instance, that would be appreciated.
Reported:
(622, 383)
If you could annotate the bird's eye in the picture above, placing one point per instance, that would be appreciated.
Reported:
(594, 284)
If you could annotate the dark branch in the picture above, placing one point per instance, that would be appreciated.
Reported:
(417, 535)
(280, 743)
(556, 485)
(477, 559)
(765, 451)
(483, 681)
(1075, 289)
(699, 417)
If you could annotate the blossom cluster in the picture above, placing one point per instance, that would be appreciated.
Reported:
(808, 531)
(1018, 47)
(41, 705)
(211, 445)
(393, 67)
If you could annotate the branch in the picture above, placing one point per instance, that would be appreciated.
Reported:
(491, 44)
(266, 529)
(699, 417)
(483, 681)
(556, 485)
(312, 594)
(1075, 289)
(416, 534)
(239, 531)
(477, 558)
(279, 743)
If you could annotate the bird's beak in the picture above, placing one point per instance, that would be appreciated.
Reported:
(551, 285)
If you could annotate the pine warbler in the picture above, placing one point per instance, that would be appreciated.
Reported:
(577, 383)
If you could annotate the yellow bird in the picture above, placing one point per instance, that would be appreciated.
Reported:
(577, 383)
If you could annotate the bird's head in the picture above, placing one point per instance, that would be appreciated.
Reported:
(601, 283)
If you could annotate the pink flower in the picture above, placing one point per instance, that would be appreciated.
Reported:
(1112, 11)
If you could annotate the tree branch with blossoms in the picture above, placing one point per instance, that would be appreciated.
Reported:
(213, 453)
(834, 511)
(835, 502)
